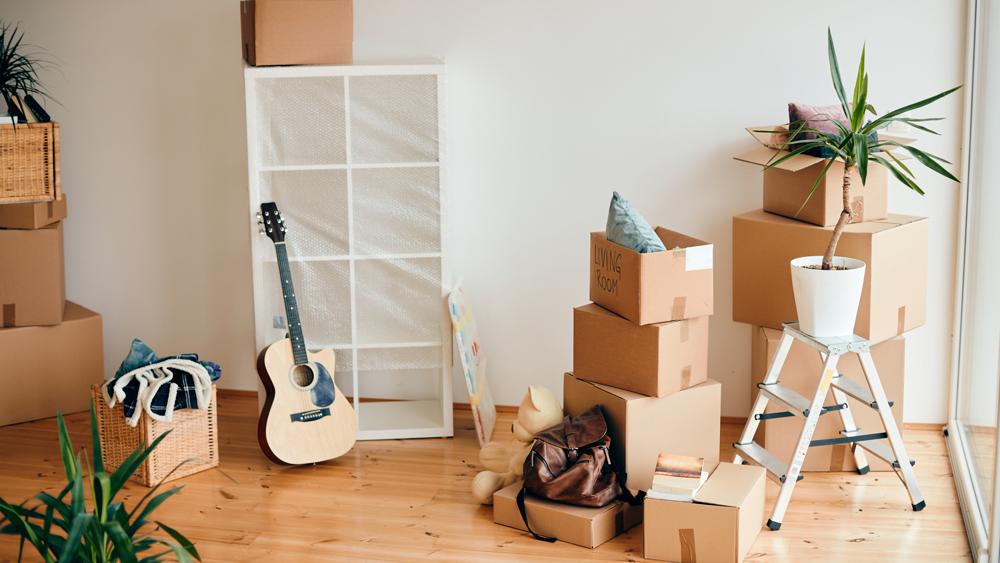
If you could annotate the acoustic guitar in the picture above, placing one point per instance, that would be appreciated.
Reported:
(304, 418)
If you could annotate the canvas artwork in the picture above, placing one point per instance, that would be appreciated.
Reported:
(463, 323)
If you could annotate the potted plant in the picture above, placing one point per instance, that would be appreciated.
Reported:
(18, 69)
(828, 288)
(62, 527)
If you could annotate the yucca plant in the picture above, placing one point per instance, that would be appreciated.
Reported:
(855, 144)
(18, 68)
(66, 527)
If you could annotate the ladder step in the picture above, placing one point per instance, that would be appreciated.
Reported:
(798, 403)
(776, 469)
(881, 450)
(858, 391)
(786, 414)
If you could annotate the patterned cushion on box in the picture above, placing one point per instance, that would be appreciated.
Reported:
(629, 229)
(815, 117)
(820, 118)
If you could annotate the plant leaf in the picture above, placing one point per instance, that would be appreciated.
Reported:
(153, 504)
(838, 85)
(900, 111)
(930, 161)
(132, 462)
(123, 544)
(72, 545)
(66, 449)
(899, 175)
(95, 441)
(180, 539)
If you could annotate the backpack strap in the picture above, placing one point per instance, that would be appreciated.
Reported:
(524, 517)
(627, 495)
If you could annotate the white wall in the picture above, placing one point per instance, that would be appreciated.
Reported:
(551, 106)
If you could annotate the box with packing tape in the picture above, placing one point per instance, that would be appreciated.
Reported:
(788, 185)
(45, 369)
(720, 525)
(801, 374)
(894, 297)
(32, 215)
(579, 525)
(685, 423)
(655, 360)
(32, 282)
(652, 287)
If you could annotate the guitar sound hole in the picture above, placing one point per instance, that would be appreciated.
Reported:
(303, 375)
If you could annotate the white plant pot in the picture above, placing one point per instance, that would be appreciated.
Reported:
(827, 300)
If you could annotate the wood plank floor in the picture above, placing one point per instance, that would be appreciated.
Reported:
(406, 500)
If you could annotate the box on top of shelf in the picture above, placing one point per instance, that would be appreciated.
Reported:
(686, 423)
(655, 360)
(894, 297)
(801, 374)
(33, 215)
(294, 32)
(720, 525)
(652, 287)
(788, 184)
(579, 525)
(32, 282)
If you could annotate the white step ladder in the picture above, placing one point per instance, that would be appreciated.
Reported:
(830, 351)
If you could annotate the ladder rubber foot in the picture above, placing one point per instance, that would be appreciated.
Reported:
(919, 506)
(775, 526)
(864, 470)
(945, 432)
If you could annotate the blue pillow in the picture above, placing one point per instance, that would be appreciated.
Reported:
(629, 229)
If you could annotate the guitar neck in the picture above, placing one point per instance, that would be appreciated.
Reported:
(291, 309)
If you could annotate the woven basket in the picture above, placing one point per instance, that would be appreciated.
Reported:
(193, 441)
(29, 162)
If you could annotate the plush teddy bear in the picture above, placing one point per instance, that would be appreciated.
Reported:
(504, 462)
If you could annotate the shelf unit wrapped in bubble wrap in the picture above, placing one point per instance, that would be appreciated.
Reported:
(352, 155)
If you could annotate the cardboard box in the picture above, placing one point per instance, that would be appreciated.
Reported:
(641, 427)
(652, 287)
(32, 283)
(719, 526)
(894, 298)
(34, 215)
(294, 32)
(788, 185)
(579, 525)
(655, 360)
(46, 369)
(801, 374)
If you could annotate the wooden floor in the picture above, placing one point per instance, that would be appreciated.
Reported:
(405, 500)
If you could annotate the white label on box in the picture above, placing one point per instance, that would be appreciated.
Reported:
(698, 257)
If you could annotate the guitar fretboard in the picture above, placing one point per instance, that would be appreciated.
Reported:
(291, 309)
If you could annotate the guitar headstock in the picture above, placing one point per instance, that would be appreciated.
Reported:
(271, 223)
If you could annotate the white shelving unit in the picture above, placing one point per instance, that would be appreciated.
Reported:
(353, 157)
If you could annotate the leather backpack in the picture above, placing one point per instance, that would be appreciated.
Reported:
(571, 463)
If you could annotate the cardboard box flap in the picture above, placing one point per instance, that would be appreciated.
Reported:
(729, 485)
(762, 156)
(771, 136)
(891, 222)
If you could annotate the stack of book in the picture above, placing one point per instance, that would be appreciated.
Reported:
(677, 477)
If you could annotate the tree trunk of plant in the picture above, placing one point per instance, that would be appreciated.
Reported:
(845, 218)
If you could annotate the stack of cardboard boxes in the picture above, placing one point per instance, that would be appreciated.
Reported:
(893, 301)
(51, 349)
(640, 350)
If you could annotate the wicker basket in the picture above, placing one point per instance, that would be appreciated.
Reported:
(29, 162)
(193, 441)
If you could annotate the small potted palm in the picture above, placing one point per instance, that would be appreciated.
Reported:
(828, 288)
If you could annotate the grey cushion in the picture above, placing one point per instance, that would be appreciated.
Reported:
(630, 229)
